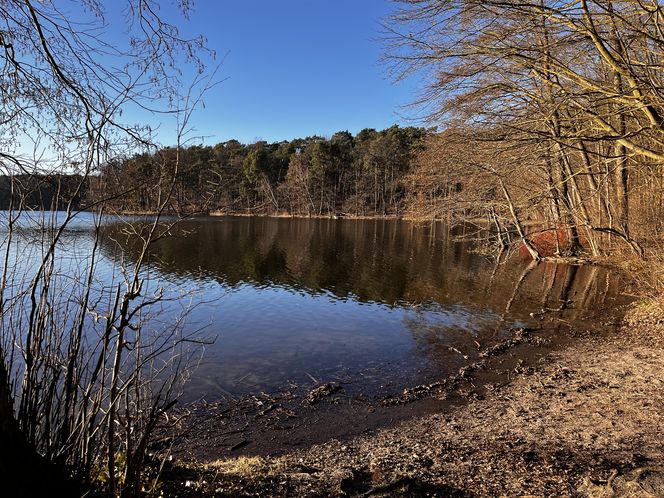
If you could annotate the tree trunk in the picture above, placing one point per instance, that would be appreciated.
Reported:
(23, 472)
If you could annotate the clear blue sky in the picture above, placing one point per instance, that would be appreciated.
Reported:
(296, 68)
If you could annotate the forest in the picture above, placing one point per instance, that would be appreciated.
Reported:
(343, 175)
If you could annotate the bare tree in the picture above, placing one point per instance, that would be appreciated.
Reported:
(579, 82)
(84, 373)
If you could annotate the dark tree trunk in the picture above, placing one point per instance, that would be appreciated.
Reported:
(23, 472)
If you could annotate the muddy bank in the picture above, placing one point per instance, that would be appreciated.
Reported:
(584, 420)
(300, 416)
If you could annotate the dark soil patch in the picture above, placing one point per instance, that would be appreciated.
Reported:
(299, 417)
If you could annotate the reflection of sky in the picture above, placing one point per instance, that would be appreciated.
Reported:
(279, 333)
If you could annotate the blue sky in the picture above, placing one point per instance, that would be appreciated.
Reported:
(295, 68)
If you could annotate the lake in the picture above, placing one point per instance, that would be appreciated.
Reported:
(377, 304)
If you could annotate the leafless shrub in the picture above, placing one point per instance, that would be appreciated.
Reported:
(86, 373)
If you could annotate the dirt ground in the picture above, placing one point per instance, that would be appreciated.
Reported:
(583, 420)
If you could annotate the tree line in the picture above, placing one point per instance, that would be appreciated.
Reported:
(343, 175)
(42, 191)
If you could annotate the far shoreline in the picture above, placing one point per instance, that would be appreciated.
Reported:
(280, 215)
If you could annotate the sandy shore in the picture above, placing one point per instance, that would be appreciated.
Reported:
(584, 420)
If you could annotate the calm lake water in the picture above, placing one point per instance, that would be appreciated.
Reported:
(376, 303)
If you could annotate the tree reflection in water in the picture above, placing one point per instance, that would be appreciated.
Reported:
(299, 297)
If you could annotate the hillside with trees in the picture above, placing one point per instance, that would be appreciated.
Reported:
(361, 175)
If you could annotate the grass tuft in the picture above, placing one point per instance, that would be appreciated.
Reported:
(243, 466)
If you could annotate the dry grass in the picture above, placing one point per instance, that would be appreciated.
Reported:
(246, 466)
(243, 466)
(648, 275)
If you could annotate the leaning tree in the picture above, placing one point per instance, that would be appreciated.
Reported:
(576, 86)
